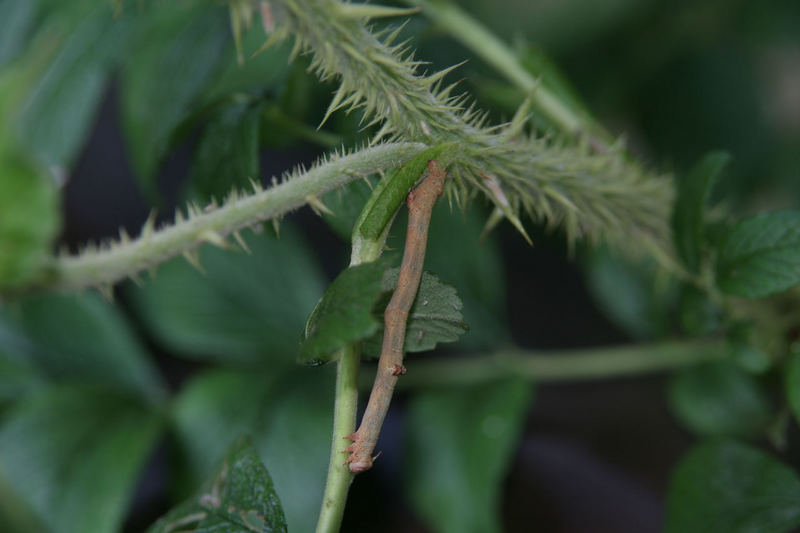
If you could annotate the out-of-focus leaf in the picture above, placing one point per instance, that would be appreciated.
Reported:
(460, 444)
(18, 371)
(792, 384)
(344, 314)
(79, 337)
(688, 216)
(16, 21)
(240, 497)
(246, 308)
(59, 112)
(173, 59)
(474, 266)
(628, 294)
(15, 514)
(227, 155)
(266, 71)
(435, 315)
(346, 204)
(746, 351)
(73, 455)
(732, 488)
(29, 220)
(698, 313)
(288, 417)
(720, 399)
(760, 255)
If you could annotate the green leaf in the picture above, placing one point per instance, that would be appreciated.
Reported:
(720, 399)
(288, 416)
(460, 445)
(58, 115)
(73, 455)
(792, 384)
(173, 60)
(227, 154)
(435, 315)
(17, 18)
(80, 337)
(760, 255)
(29, 220)
(246, 308)
(474, 266)
(732, 488)
(19, 373)
(345, 312)
(688, 216)
(240, 497)
(267, 71)
(629, 293)
(346, 204)
(699, 315)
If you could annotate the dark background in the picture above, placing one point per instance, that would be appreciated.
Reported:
(678, 79)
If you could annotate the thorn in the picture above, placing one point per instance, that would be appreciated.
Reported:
(266, 17)
(211, 206)
(212, 237)
(515, 127)
(107, 292)
(318, 207)
(194, 259)
(276, 225)
(353, 436)
(492, 222)
(124, 238)
(369, 11)
(271, 40)
(149, 225)
(241, 242)
(137, 280)
(257, 188)
(437, 76)
(501, 201)
(335, 104)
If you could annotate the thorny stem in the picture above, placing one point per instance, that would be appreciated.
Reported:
(565, 365)
(154, 246)
(472, 34)
(390, 364)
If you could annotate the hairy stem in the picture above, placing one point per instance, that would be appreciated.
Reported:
(591, 195)
(125, 258)
(344, 421)
(390, 365)
(565, 365)
(475, 36)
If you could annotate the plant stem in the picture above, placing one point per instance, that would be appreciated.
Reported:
(563, 365)
(126, 258)
(344, 422)
(475, 36)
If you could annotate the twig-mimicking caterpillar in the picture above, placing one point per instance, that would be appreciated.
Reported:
(390, 366)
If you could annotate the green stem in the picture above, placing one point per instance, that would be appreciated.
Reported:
(126, 258)
(344, 423)
(563, 365)
(475, 36)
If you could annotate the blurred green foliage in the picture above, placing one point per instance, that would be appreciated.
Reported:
(83, 404)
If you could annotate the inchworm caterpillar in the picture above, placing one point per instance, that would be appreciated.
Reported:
(390, 366)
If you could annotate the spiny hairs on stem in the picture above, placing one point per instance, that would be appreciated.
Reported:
(591, 195)
(116, 260)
